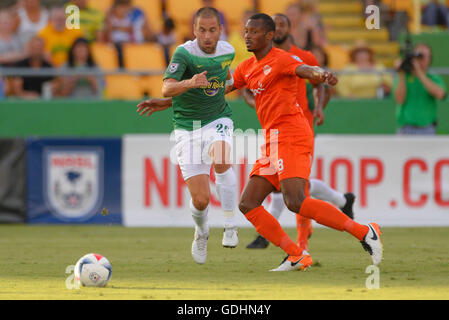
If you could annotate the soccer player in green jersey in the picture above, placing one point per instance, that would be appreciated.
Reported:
(195, 80)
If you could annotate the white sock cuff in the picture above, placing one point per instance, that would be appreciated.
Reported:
(197, 212)
(226, 178)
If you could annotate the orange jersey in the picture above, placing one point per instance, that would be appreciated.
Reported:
(273, 82)
(310, 60)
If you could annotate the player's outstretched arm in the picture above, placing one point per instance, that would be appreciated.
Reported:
(173, 88)
(152, 105)
(316, 74)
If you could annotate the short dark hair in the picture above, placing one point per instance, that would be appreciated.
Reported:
(284, 17)
(267, 21)
(207, 12)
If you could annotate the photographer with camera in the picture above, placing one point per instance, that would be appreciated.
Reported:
(417, 91)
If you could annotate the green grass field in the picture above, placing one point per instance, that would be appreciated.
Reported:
(151, 263)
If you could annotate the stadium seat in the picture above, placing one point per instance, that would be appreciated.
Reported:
(348, 35)
(338, 56)
(123, 87)
(274, 6)
(182, 11)
(105, 55)
(338, 21)
(143, 57)
(153, 12)
(101, 5)
(334, 7)
(233, 9)
(152, 85)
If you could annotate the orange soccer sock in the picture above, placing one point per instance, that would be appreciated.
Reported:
(304, 228)
(269, 228)
(327, 215)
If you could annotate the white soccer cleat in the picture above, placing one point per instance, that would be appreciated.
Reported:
(373, 244)
(293, 263)
(199, 247)
(230, 237)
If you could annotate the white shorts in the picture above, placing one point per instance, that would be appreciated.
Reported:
(193, 147)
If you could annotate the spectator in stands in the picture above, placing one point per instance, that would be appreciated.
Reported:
(365, 78)
(416, 95)
(237, 40)
(79, 86)
(225, 33)
(307, 26)
(435, 13)
(58, 39)
(167, 38)
(32, 17)
(127, 24)
(321, 56)
(32, 87)
(92, 21)
(11, 47)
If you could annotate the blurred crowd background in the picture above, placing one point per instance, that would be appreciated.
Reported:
(122, 47)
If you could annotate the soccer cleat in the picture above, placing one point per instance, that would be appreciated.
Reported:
(230, 237)
(373, 244)
(199, 247)
(258, 243)
(292, 263)
(347, 209)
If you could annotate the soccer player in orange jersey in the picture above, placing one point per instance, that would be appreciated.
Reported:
(271, 75)
(318, 189)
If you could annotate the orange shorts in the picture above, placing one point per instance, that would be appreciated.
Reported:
(290, 157)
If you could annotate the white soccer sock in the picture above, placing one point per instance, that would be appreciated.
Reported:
(200, 218)
(225, 184)
(320, 190)
(277, 204)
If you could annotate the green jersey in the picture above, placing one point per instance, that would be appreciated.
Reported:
(420, 107)
(200, 104)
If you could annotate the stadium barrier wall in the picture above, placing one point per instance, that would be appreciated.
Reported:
(71, 118)
(398, 181)
(71, 181)
(12, 181)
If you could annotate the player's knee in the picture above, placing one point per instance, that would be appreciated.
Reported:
(245, 206)
(221, 167)
(294, 201)
(200, 202)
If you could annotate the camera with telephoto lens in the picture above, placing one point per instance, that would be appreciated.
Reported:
(409, 54)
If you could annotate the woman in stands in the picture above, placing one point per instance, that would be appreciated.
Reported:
(79, 86)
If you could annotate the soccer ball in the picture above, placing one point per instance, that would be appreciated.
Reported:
(93, 270)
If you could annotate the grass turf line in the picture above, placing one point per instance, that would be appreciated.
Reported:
(155, 263)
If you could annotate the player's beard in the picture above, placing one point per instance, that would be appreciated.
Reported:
(280, 40)
(208, 50)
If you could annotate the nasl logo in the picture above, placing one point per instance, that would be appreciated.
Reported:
(73, 182)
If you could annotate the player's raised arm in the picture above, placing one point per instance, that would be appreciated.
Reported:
(173, 88)
(316, 74)
(155, 104)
